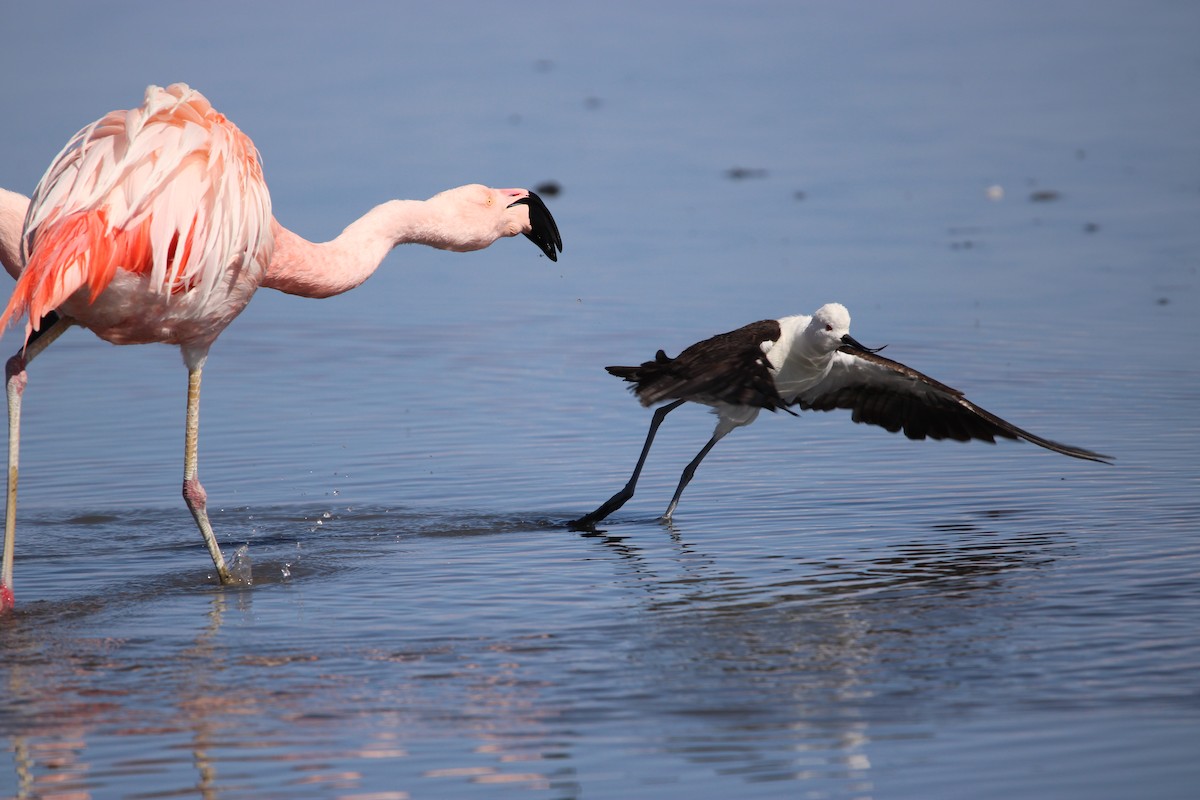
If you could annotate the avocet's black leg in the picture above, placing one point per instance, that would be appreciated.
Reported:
(619, 499)
(688, 472)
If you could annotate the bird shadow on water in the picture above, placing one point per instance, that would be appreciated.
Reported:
(949, 555)
(808, 638)
(185, 702)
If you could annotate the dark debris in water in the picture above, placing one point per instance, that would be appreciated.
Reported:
(1044, 196)
(92, 519)
(745, 173)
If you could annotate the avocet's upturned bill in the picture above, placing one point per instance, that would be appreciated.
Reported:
(810, 362)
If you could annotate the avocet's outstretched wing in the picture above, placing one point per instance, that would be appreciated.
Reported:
(879, 391)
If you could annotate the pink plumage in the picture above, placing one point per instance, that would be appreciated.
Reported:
(160, 214)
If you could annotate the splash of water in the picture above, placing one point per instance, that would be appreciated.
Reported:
(240, 566)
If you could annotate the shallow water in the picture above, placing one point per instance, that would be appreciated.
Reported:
(834, 613)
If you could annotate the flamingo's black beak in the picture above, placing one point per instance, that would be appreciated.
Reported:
(543, 232)
(851, 344)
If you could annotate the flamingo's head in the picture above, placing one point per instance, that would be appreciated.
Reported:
(472, 217)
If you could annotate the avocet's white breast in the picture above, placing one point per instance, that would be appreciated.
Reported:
(803, 356)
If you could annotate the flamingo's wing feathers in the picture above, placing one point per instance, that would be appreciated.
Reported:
(171, 189)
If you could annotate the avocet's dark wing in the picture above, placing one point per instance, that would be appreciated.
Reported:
(879, 391)
(728, 368)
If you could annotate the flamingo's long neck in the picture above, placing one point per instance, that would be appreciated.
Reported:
(311, 269)
(298, 266)
(12, 218)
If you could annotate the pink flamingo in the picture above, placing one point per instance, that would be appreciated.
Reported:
(154, 225)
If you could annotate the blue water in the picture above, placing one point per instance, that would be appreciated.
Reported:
(835, 612)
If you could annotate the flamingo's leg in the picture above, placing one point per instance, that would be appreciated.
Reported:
(52, 326)
(193, 493)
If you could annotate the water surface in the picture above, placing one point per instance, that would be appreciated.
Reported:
(834, 613)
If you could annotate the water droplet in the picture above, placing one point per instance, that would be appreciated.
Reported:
(240, 566)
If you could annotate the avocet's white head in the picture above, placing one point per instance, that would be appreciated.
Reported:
(829, 329)
(806, 355)
(826, 328)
